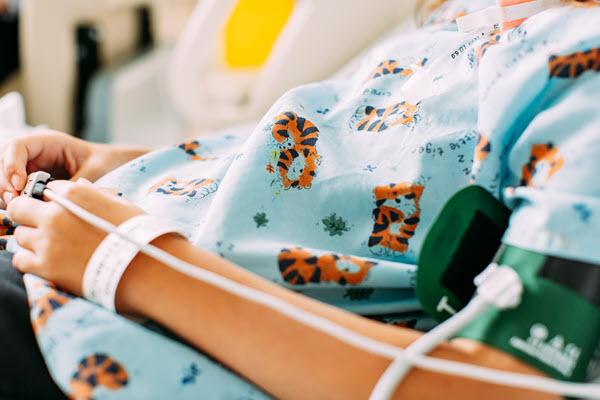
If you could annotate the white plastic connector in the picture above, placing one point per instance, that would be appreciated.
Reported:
(499, 286)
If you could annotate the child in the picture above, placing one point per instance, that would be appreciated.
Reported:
(331, 196)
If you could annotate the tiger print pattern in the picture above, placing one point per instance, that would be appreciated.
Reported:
(572, 66)
(299, 267)
(193, 150)
(482, 148)
(296, 142)
(389, 67)
(380, 119)
(46, 301)
(392, 67)
(544, 162)
(44, 307)
(481, 50)
(94, 371)
(193, 189)
(7, 227)
(397, 215)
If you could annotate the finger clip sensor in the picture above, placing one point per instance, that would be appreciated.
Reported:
(36, 184)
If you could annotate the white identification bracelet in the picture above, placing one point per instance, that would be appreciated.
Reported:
(111, 258)
(498, 14)
(428, 82)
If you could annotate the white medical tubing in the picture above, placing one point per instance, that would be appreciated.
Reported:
(498, 286)
(324, 325)
(302, 316)
(398, 369)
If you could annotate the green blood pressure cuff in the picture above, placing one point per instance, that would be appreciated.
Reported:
(555, 329)
(557, 325)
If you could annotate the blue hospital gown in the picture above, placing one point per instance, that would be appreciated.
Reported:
(331, 194)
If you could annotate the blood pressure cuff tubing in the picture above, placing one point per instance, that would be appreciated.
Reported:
(556, 328)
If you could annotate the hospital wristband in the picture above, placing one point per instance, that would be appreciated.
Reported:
(111, 258)
(507, 13)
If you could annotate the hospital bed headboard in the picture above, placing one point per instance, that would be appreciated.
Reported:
(319, 37)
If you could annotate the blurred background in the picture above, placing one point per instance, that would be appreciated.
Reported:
(153, 72)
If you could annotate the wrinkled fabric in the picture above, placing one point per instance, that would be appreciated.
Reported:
(332, 192)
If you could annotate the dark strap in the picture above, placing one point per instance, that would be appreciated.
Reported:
(580, 277)
(23, 373)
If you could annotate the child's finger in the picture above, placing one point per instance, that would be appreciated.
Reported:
(14, 164)
(5, 189)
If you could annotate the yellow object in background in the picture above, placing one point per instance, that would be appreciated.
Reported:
(252, 29)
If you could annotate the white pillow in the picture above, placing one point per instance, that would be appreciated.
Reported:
(12, 117)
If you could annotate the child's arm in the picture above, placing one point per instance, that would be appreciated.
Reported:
(286, 358)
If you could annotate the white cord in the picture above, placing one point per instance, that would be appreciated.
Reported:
(346, 335)
(401, 365)
(302, 316)
(498, 287)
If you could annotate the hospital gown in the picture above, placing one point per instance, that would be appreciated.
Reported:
(332, 192)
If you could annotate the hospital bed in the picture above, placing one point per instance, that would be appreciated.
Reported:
(193, 70)
(49, 48)
(169, 94)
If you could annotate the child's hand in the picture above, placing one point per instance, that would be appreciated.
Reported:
(56, 244)
(62, 155)
(57, 153)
